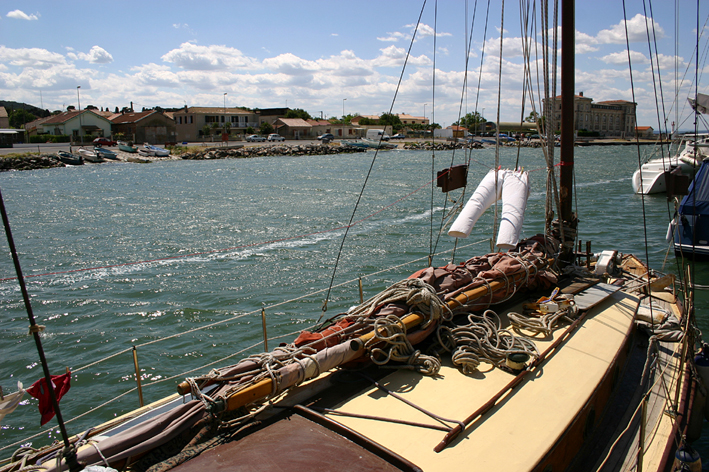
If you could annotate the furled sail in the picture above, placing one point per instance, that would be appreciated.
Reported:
(513, 187)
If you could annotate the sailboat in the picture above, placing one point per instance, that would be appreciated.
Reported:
(534, 357)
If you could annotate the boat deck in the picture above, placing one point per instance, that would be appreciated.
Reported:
(510, 436)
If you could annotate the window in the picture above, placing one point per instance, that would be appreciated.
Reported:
(191, 119)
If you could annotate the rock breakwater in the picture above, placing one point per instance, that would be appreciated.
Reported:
(277, 150)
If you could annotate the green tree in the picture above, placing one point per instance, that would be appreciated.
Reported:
(265, 128)
(472, 121)
(298, 113)
(532, 118)
(205, 131)
(19, 117)
(250, 130)
(390, 119)
(215, 128)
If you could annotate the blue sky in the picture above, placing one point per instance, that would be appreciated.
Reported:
(315, 54)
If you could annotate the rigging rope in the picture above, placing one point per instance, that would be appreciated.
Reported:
(371, 166)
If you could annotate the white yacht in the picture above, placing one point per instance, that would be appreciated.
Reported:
(650, 178)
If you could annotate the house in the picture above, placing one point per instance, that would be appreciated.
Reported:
(458, 131)
(412, 120)
(190, 121)
(270, 115)
(4, 118)
(77, 123)
(35, 127)
(151, 126)
(645, 131)
(293, 128)
(356, 120)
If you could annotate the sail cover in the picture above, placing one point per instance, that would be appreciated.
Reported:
(701, 104)
(696, 202)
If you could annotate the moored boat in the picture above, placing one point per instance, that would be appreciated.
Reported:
(126, 147)
(105, 153)
(90, 155)
(689, 229)
(69, 158)
(156, 150)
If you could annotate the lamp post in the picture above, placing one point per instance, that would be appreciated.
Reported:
(78, 100)
(225, 117)
(343, 117)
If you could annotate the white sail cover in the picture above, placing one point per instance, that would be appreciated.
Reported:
(513, 188)
(701, 104)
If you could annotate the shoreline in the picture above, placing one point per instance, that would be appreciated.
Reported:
(30, 160)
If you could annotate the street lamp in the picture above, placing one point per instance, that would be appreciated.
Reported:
(78, 100)
(343, 117)
(225, 117)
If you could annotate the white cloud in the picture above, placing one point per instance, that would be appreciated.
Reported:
(30, 57)
(424, 31)
(97, 55)
(20, 15)
(156, 75)
(622, 58)
(190, 56)
(637, 31)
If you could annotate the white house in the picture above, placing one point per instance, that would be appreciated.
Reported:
(78, 123)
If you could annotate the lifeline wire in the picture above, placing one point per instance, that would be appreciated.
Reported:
(371, 166)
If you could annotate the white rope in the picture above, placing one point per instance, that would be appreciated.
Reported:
(483, 340)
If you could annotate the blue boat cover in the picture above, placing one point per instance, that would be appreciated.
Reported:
(697, 200)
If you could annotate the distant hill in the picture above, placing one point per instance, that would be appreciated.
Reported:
(36, 111)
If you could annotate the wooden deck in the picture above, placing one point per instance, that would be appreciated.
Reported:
(517, 433)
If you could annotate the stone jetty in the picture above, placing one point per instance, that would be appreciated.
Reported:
(272, 150)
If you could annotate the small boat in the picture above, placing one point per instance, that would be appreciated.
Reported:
(146, 152)
(690, 226)
(69, 158)
(90, 155)
(123, 146)
(105, 153)
(373, 144)
(157, 151)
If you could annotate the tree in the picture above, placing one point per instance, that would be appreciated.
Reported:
(472, 121)
(70, 107)
(298, 113)
(390, 119)
(205, 131)
(19, 117)
(532, 118)
(90, 107)
(116, 111)
(265, 128)
(250, 130)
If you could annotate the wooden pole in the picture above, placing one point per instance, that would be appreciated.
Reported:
(568, 64)
(265, 336)
(137, 375)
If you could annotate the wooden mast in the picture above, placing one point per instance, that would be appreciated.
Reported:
(568, 69)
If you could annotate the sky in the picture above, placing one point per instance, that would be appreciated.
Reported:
(334, 57)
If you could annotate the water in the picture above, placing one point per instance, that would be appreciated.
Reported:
(178, 245)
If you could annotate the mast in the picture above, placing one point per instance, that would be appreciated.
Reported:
(568, 69)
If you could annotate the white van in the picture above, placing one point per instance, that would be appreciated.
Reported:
(377, 134)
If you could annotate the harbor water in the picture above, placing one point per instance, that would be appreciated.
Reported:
(179, 258)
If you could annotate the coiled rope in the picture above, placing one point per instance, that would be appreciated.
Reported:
(482, 340)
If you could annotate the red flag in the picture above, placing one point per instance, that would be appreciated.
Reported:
(61, 384)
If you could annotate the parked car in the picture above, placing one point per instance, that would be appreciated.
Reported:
(398, 136)
(104, 142)
(255, 138)
(276, 137)
(328, 136)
